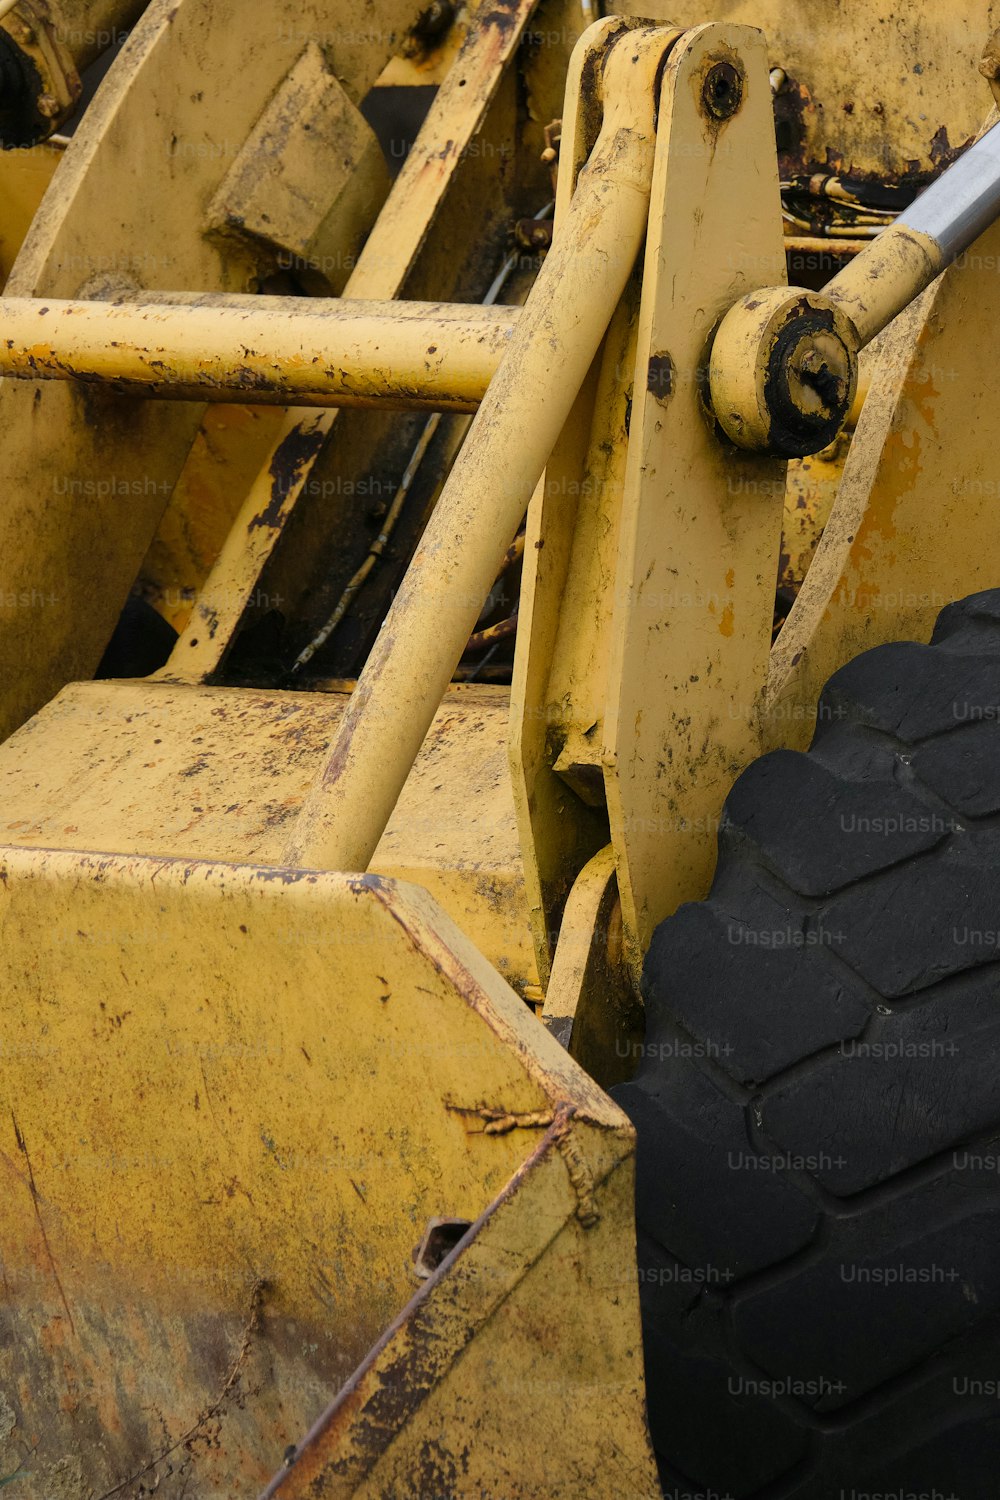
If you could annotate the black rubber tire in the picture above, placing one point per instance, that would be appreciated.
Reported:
(818, 1104)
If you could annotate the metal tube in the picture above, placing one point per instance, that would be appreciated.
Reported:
(487, 493)
(301, 352)
(937, 227)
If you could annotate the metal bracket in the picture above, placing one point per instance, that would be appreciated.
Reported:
(647, 608)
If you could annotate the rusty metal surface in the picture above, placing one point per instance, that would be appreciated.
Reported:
(223, 773)
(108, 466)
(874, 98)
(234, 1098)
(492, 1384)
(301, 534)
(913, 525)
(558, 334)
(424, 355)
(881, 95)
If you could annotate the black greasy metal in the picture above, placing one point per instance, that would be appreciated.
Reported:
(20, 86)
(818, 1104)
(795, 433)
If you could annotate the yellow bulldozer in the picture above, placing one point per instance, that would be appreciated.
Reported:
(499, 750)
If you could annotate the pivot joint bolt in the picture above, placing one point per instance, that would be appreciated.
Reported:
(783, 372)
(722, 91)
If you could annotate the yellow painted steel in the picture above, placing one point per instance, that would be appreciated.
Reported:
(221, 466)
(204, 1270)
(571, 541)
(310, 178)
(202, 1242)
(24, 179)
(217, 773)
(913, 526)
(152, 955)
(108, 466)
(694, 598)
(491, 483)
(278, 350)
(397, 247)
(810, 492)
(872, 289)
(564, 635)
(780, 329)
(241, 1087)
(617, 600)
(831, 328)
(478, 1355)
(591, 1004)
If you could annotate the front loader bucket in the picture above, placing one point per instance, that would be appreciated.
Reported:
(237, 1099)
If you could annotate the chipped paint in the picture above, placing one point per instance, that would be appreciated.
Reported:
(205, 1314)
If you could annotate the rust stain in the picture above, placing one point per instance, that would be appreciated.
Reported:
(900, 469)
(580, 1175)
(726, 623)
(211, 1412)
(923, 393)
(501, 1122)
(871, 553)
(893, 187)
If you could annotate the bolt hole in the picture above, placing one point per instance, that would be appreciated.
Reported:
(722, 92)
(440, 1239)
